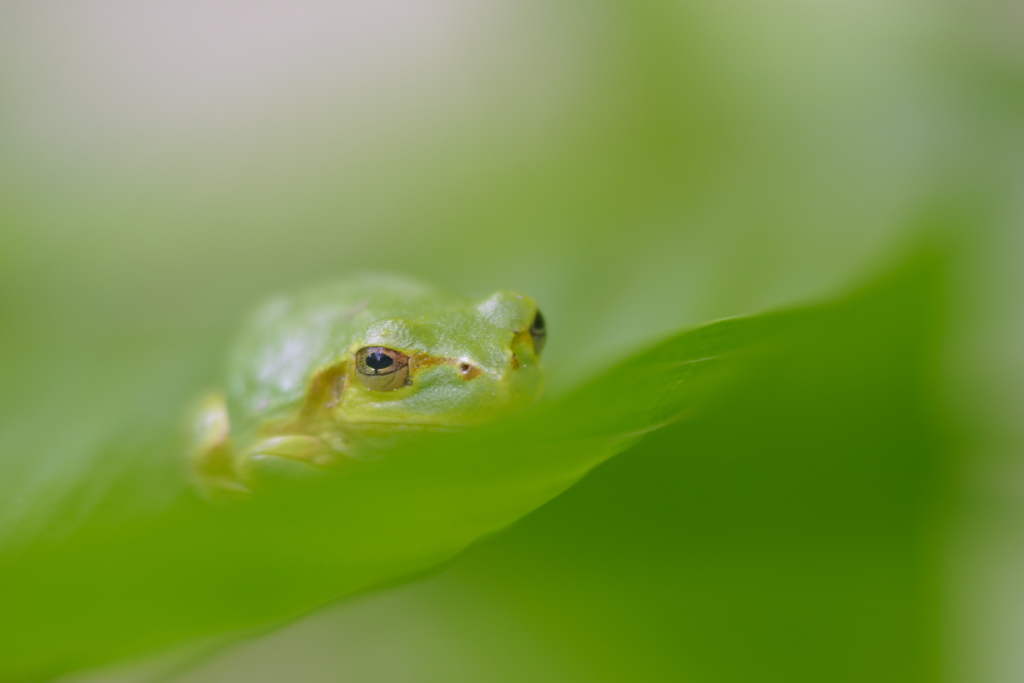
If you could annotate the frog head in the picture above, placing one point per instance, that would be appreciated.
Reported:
(458, 366)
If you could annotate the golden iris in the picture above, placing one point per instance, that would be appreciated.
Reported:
(382, 369)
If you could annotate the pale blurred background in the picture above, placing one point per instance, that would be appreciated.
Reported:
(636, 167)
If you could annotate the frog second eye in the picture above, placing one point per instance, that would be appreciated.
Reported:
(382, 369)
(538, 332)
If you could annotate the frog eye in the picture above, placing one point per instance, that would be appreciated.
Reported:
(538, 332)
(382, 369)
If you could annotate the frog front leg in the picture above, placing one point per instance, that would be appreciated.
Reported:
(211, 460)
(279, 460)
(220, 468)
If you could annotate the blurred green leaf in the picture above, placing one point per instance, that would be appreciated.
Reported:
(127, 559)
(789, 529)
(131, 577)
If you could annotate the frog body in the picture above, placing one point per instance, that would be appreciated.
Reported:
(317, 376)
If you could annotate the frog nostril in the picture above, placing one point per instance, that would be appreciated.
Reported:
(468, 370)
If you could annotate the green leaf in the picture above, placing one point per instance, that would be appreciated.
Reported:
(792, 527)
(128, 559)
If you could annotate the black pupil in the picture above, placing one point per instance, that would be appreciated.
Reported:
(378, 360)
(538, 324)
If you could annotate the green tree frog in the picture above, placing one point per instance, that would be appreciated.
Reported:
(325, 376)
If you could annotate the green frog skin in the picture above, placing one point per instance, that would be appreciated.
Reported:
(319, 377)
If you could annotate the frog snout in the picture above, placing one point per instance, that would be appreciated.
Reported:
(469, 370)
(511, 367)
(502, 367)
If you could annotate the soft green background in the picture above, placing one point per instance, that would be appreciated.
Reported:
(850, 512)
